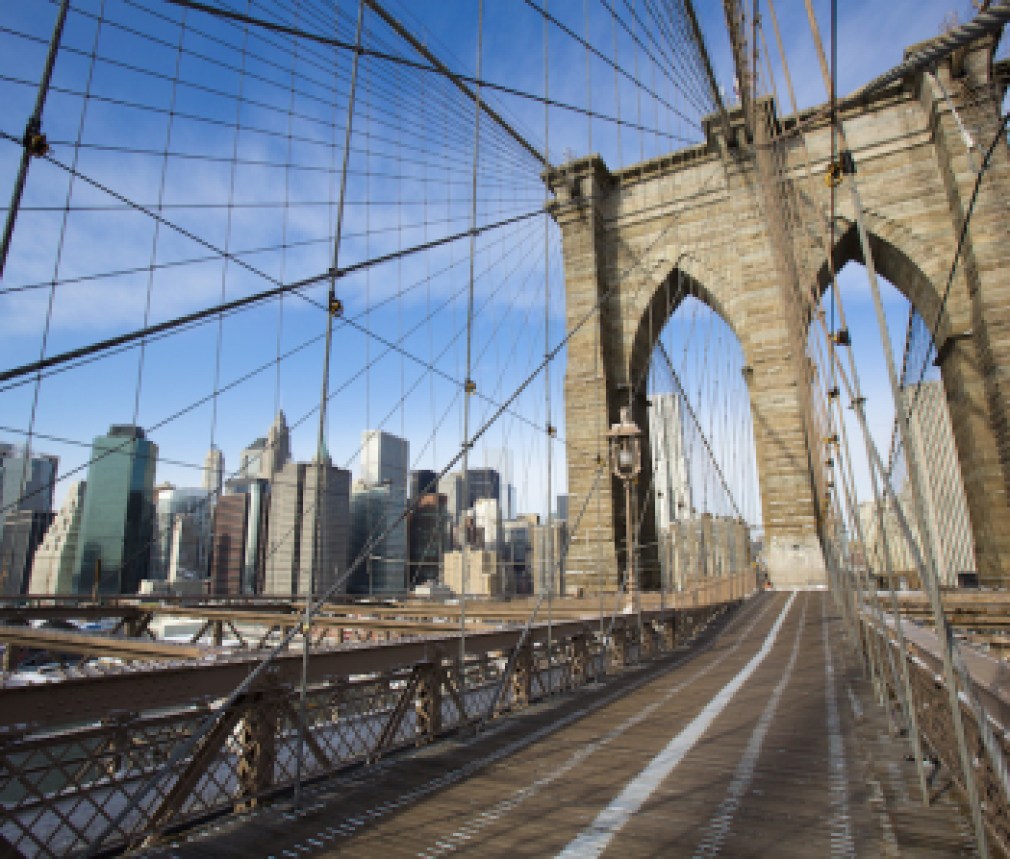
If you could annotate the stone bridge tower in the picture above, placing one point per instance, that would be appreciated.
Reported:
(639, 240)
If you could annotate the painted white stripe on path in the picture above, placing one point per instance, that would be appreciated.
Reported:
(594, 840)
(494, 813)
(717, 829)
(840, 827)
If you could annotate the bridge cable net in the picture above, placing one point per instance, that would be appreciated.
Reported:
(178, 222)
(919, 345)
(705, 488)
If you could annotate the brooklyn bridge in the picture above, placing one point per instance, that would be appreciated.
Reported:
(504, 428)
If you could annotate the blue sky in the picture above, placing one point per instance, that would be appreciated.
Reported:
(255, 135)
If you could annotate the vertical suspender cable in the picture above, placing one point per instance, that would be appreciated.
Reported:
(469, 386)
(596, 344)
(617, 97)
(589, 83)
(226, 257)
(549, 567)
(911, 717)
(929, 572)
(285, 222)
(322, 457)
(159, 208)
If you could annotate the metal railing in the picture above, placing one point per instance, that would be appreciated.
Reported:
(74, 755)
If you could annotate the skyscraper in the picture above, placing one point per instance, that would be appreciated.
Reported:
(385, 458)
(516, 551)
(213, 472)
(277, 452)
(172, 505)
(946, 513)
(451, 486)
(26, 509)
(118, 517)
(547, 569)
(53, 568)
(23, 532)
(229, 544)
(423, 482)
(304, 497)
(427, 532)
(53, 565)
(267, 456)
(499, 459)
(669, 460)
(482, 483)
(487, 518)
(378, 540)
(378, 504)
(250, 463)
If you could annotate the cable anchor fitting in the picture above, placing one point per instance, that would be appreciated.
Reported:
(841, 337)
(844, 166)
(470, 386)
(336, 307)
(34, 140)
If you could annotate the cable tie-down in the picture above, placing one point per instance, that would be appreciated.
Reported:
(841, 337)
(552, 430)
(844, 166)
(34, 140)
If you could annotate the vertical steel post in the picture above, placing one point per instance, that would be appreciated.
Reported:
(332, 309)
(469, 385)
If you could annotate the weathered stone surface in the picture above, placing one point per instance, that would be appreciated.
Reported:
(638, 241)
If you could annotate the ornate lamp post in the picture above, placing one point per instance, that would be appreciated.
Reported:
(625, 446)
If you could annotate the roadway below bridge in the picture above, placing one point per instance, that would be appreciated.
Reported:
(761, 739)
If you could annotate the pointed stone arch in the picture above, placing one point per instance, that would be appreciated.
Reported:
(624, 232)
(920, 272)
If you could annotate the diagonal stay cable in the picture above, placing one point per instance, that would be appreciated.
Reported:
(617, 68)
(420, 66)
(188, 746)
(704, 437)
(245, 301)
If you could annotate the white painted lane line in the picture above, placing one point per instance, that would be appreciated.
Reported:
(840, 826)
(594, 840)
(499, 809)
(715, 832)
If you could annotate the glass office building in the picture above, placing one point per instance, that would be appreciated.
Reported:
(117, 524)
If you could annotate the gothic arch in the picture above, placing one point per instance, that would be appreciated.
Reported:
(687, 277)
(902, 258)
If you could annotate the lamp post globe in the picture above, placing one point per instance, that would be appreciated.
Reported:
(624, 441)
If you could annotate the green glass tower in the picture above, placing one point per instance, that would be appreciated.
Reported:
(118, 517)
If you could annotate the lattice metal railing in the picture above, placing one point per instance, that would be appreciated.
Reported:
(65, 786)
(936, 725)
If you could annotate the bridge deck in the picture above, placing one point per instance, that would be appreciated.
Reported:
(760, 740)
